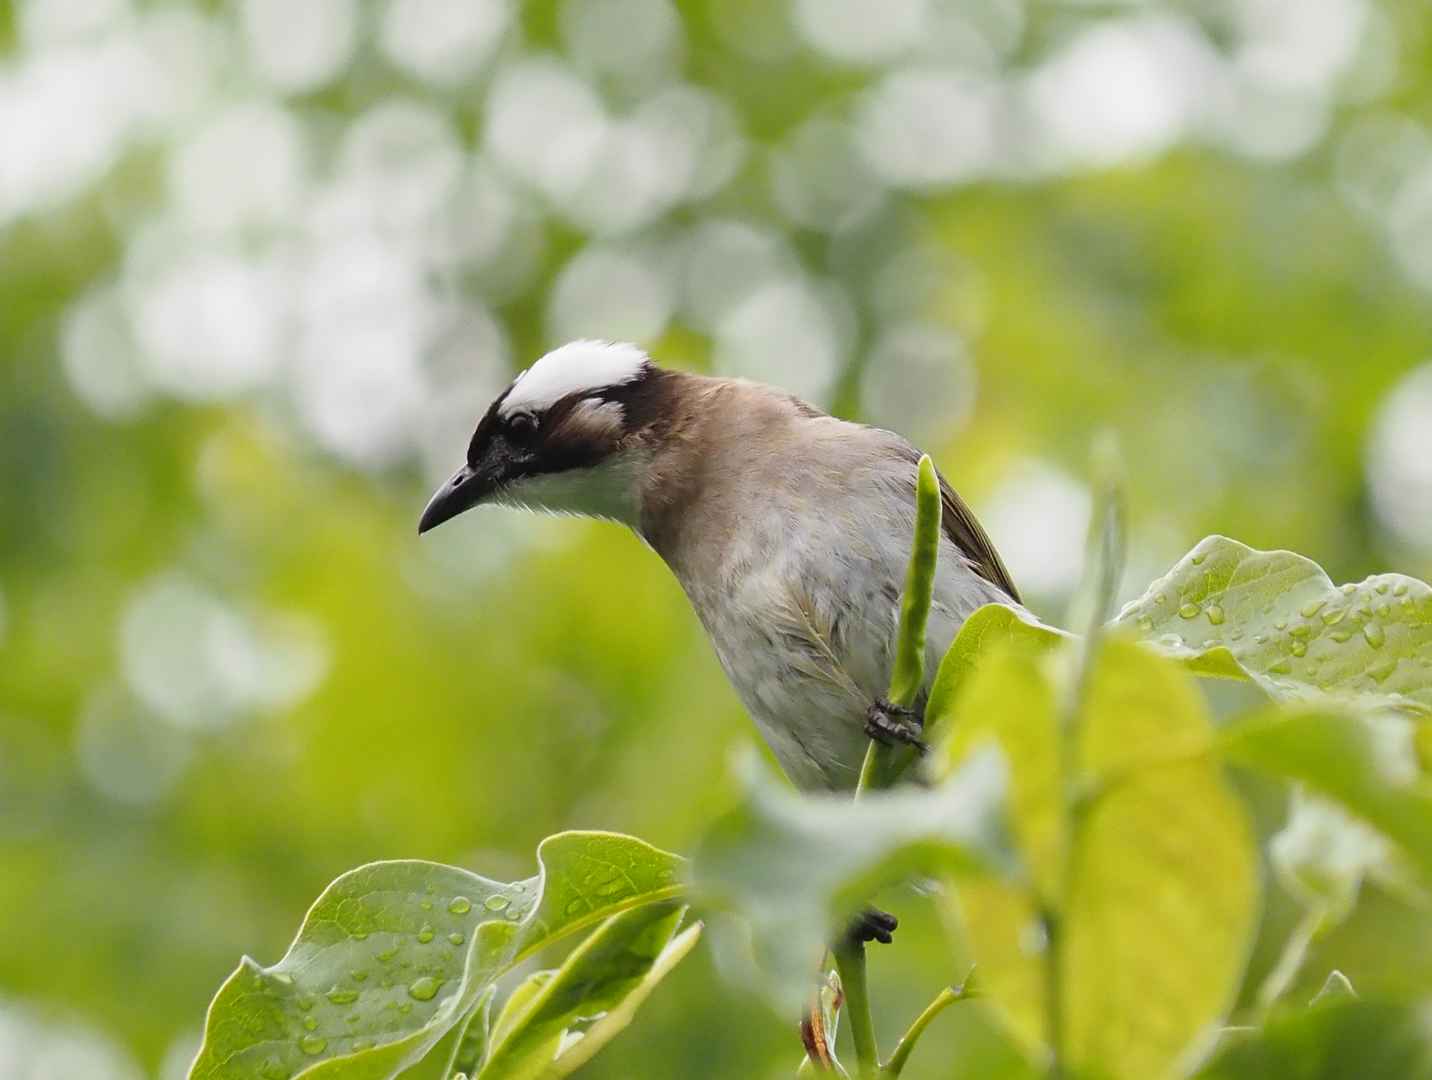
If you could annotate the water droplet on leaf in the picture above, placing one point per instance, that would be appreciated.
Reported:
(339, 996)
(424, 989)
(425, 935)
(1299, 649)
(1188, 611)
(1382, 670)
(495, 902)
(313, 1044)
(460, 905)
(1309, 610)
(456, 938)
(1374, 635)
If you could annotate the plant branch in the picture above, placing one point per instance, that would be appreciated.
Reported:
(947, 997)
(884, 764)
(850, 963)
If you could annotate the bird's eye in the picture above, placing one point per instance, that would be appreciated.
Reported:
(522, 427)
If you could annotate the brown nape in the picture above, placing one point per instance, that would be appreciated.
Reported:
(665, 411)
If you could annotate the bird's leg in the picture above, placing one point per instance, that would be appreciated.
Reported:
(894, 724)
(872, 924)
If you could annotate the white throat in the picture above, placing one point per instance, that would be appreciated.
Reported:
(610, 490)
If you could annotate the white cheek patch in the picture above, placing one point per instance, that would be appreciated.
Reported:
(572, 369)
(609, 490)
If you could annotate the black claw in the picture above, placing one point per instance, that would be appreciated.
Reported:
(894, 725)
(872, 924)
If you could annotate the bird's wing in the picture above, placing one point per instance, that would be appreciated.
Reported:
(966, 533)
(963, 530)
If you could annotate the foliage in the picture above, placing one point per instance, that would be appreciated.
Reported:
(1077, 809)
(228, 379)
(395, 961)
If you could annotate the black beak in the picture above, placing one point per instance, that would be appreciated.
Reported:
(462, 492)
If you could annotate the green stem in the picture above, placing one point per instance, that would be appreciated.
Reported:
(947, 997)
(1053, 993)
(850, 962)
(884, 764)
(1290, 963)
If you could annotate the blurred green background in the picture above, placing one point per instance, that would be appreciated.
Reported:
(262, 265)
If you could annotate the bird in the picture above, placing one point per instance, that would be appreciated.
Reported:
(788, 529)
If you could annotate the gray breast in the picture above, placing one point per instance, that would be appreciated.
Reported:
(802, 607)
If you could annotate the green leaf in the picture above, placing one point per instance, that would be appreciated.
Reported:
(985, 632)
(1163, 893)
(794, 866)
(517, 1004)
(442, 1060)
(1143, 869)
(617, 1020)
(394, 955)
(1323, 853)
(473, 1047)
(1011, 699)
(1335, 987)
(1277, 618)
(1364, 763)
(593, 997)
(1335, 1040)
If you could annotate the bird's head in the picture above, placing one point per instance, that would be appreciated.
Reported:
(568, 436)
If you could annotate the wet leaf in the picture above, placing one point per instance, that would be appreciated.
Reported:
(1278, 619)
(556, 1024)
(394, 955)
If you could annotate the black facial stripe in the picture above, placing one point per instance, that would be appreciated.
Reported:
(485, 428)
(558, 446)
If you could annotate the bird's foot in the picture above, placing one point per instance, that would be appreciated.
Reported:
(872, 924)
(895, 725)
